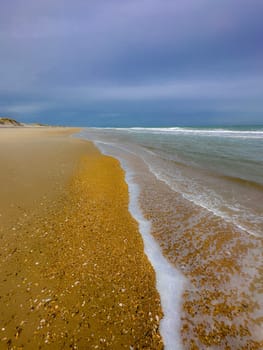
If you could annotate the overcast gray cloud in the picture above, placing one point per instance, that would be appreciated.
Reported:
(60, 59)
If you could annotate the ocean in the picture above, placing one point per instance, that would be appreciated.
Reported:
(201, 190)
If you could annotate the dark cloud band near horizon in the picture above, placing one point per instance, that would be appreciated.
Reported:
(132, 62)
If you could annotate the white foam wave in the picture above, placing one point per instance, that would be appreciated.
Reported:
(170, 282)
(247, 134)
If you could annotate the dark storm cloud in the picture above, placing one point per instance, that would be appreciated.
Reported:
(100, 57)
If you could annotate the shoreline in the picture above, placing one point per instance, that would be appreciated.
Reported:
(73, 267)
(222, 303)
(170, 283)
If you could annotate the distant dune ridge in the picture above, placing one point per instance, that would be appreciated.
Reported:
(6, 121)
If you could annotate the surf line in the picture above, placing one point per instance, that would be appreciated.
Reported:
(170, 283)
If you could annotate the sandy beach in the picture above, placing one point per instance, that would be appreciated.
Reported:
(73, 270)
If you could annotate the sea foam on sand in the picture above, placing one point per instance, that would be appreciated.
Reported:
(169, 281)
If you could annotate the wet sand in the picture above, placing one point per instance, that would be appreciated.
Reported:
(73, 271)
(222, 301)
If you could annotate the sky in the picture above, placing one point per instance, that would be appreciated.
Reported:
(132, 62)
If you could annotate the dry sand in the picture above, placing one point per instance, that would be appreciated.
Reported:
(73, 271)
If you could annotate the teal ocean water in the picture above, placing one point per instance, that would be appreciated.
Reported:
(220, 169)
(199, 193)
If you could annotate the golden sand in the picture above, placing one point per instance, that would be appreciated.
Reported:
(73, 271)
